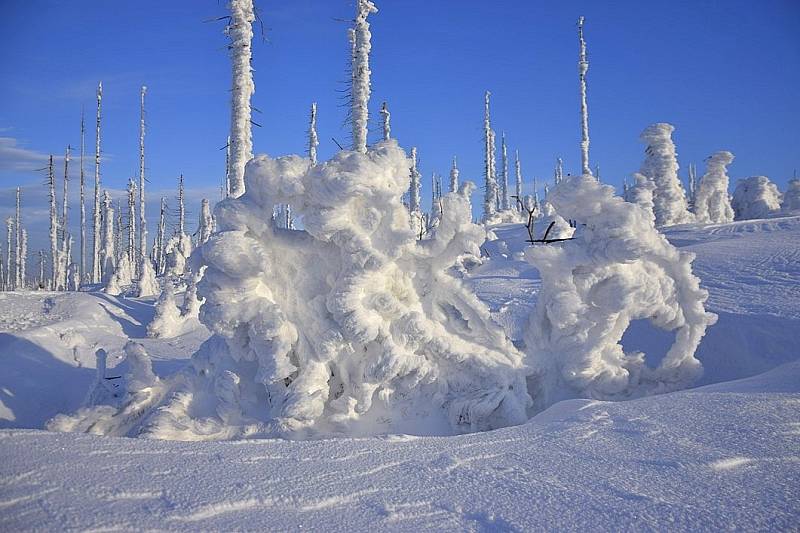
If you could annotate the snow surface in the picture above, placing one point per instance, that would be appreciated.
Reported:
(724, 456)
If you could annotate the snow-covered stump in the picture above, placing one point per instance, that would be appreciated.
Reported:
(791, 198)
(712, 203)
(661, 167)
(618, 268)
(755, 197)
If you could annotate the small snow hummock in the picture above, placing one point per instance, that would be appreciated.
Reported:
(661, 167)
(618, 268)
(755, 197)
(712, 203)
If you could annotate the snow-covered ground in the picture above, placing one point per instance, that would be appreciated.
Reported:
(723, 456)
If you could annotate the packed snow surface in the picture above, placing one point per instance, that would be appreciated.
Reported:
(724, 456)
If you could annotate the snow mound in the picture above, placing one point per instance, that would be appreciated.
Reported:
(618, 268)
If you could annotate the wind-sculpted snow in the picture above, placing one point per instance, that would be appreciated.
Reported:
(351, 325)
(617, 269)
(712, 204)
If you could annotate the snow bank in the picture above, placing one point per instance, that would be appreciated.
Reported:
(618, 269)
(712, 203)
(661, 167)
(755, 197)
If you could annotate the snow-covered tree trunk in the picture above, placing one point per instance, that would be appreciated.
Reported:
(142, 218)
(583, 67)
(414, 188)
(712, 202)
(181, 208)
(228, 167)
(386, 118)
(162, 229)
(131, 248)
(206, 226)
(83, 203)
(661, 167)
(54, 259)
(108, 238)
(9, 243)
(493, 166)
(23, 261)
(240, 31)
(119, 249)
(558, 173)
(692, 187)
(361, 74)
(64, 200)
(518, 176)
(18, 244)
(505, 198)
(41, 269)
(755, 197)
(490, 184)
(313, 141)
(97, 230)
(454, 176)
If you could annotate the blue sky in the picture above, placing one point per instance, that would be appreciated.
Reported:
(724, 73)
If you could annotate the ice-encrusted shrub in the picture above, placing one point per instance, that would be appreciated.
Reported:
(617, 269)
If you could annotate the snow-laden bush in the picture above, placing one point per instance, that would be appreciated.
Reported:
(618, 268)
(755, 197)
(661, 167)
(791, 198)
(712, 202)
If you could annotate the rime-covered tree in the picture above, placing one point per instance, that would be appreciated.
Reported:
(661, 167)
(692, 187)
(360, 90)
(518, 175)
(107, 253)
(712, 202)
(414, 187)
(641, 193)
(9, 243)
(791, 198)
(206, 225)
(386, 118)
(23, 258)
(558, 172)
(454, 176)
(82, 186)
(583, 67)
(755, 197)
(131, 247)
(505, 200)
(97, 230)
(54, 260)
(313, 141)
(240, 31)
(143, 257)
(18, 279)
(161, 237)
(490, 181)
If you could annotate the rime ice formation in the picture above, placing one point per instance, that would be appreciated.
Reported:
(641, 193)
(351, 325)
(167, 319)
(791, 198)
(755, 197)
(122, 278)
(712, 203)
(618, 268)
(661, 167)
(240, 31)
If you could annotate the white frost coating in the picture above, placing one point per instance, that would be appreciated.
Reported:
(82, 186)
(641, 194)
(167, 320)
(177, 251)
(518, 176)
(23, 258)
(361, 74)
(661, 166)
(791, 198)
(454, 176)
(19, 280)
(107, 252)
(712, 202)
(313, 141)
(131, 248)
(755, 197)
(122, 278)
(558, 173)
(505, 195)
(140, 374)
(618, 268)
(414, 186)
(206, 226)
(240, 31)
(147, 285)
(54, 261)
(583, 67)
(160, 254)
(96, 228)
(386, 119)
(490, 182)
(142, 219)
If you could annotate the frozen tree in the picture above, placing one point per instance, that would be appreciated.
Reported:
(641, 193)
(161, 243)
(386, 117)
(143, 257)
(206, 226)
(360, 90)
(64, 223)
(228, 167)
(493, 166)
(791, 198)
(583, 67)
(107, 253)
(147, 285)
(755, 197)
(558, 173)
(414, 188)
(179, 247)
(625, 190)
(505, 202)
(42, 283)
(83, 202)
(619, 268)
(167, 319)
(240, 31)
(23, 258)
(181, 207)
(454, 176)
(9, 242)
(490, 182)
(712, 203)
(131, 248)
(18, 277)
(97, 230)
(54, 259)
(692, 187)
(518, 175)
(661, 167)
(313, 141)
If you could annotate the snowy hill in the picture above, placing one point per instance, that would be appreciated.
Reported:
(723, 456)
